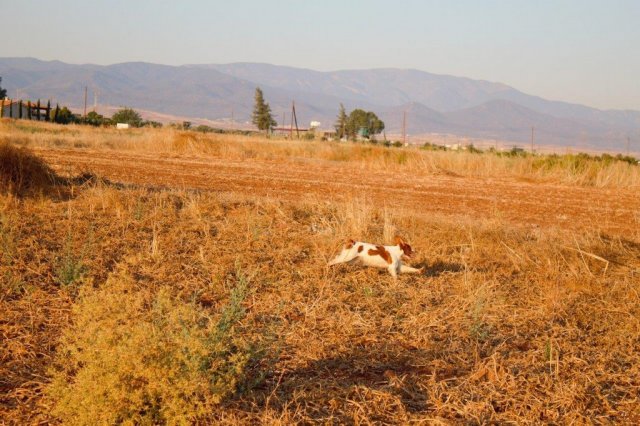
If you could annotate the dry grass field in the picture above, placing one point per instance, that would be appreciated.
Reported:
(156, 276)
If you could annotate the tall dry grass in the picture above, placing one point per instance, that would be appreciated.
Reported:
(172, 142)
(508, 323)
(112, 300)
(23, 173)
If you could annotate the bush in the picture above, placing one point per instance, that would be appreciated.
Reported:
(132, 356)
(63, 116)
(473, 149)
(428, 146)
(22, 173)
(152, 124)
(128, 116)
(94, 119)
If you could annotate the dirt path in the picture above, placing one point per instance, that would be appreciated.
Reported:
(611, 210)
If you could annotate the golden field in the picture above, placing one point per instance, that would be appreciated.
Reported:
(159, 276)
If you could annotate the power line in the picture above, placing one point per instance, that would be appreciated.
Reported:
(532, 138)
(404, 127)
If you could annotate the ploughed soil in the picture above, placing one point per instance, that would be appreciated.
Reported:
(526, 202)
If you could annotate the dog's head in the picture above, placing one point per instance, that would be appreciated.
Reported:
(406, 248)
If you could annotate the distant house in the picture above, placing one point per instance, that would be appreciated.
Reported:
(26, 110)
(330, 135)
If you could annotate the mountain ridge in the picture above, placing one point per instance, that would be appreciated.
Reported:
(434, 103)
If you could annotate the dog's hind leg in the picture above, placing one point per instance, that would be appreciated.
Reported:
(393, 270)
(347, 255)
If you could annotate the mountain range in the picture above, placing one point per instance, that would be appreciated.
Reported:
(432, 103)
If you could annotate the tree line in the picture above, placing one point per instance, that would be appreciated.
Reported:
(357, 124)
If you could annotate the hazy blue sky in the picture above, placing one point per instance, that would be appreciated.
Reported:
(582, 51)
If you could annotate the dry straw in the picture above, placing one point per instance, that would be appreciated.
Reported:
(509, 323)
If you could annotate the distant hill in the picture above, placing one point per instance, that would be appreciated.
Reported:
(432, 103)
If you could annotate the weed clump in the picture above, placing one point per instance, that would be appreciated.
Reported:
(22, 172)
(143, 357)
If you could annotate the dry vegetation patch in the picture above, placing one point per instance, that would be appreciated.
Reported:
(112, 303)
(508, 323)
(168, 142)
(22, 172)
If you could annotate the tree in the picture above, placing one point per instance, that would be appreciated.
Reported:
(262, 117)
(63, 116)
(129, 116)
(3, 92)
(363, 123)
(94, 119)
(54, 114)
(341, 124)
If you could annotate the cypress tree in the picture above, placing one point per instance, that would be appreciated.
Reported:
(29, 112)
(20, 108)
(38, 110)
(48, 108)
(3, 92)
(261, 116)
(341, 124)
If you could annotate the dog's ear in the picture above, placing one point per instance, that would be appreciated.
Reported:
(406, 248)
(349, 243)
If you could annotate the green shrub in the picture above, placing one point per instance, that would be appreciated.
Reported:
(128, 116)
(428, 146)
(70, 267)
(473, 149)
(140, 357)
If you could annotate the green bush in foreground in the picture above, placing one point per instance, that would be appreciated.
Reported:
(135, 357)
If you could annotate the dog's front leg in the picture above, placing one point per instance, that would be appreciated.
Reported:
(409, 269)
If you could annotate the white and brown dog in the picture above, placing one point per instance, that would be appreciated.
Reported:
(389, 257)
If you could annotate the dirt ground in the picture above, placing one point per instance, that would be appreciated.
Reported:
(515, 200)
(527, 310)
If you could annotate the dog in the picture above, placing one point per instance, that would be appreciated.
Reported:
(389, 257)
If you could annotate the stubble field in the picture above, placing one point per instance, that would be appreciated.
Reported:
(160, 276)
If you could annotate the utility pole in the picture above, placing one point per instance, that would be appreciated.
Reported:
(232, 122)
(95, 100)
(85, 101)
(628, 144)
(294, 118)
(532, 140)
(291, 123)
(404, 127)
